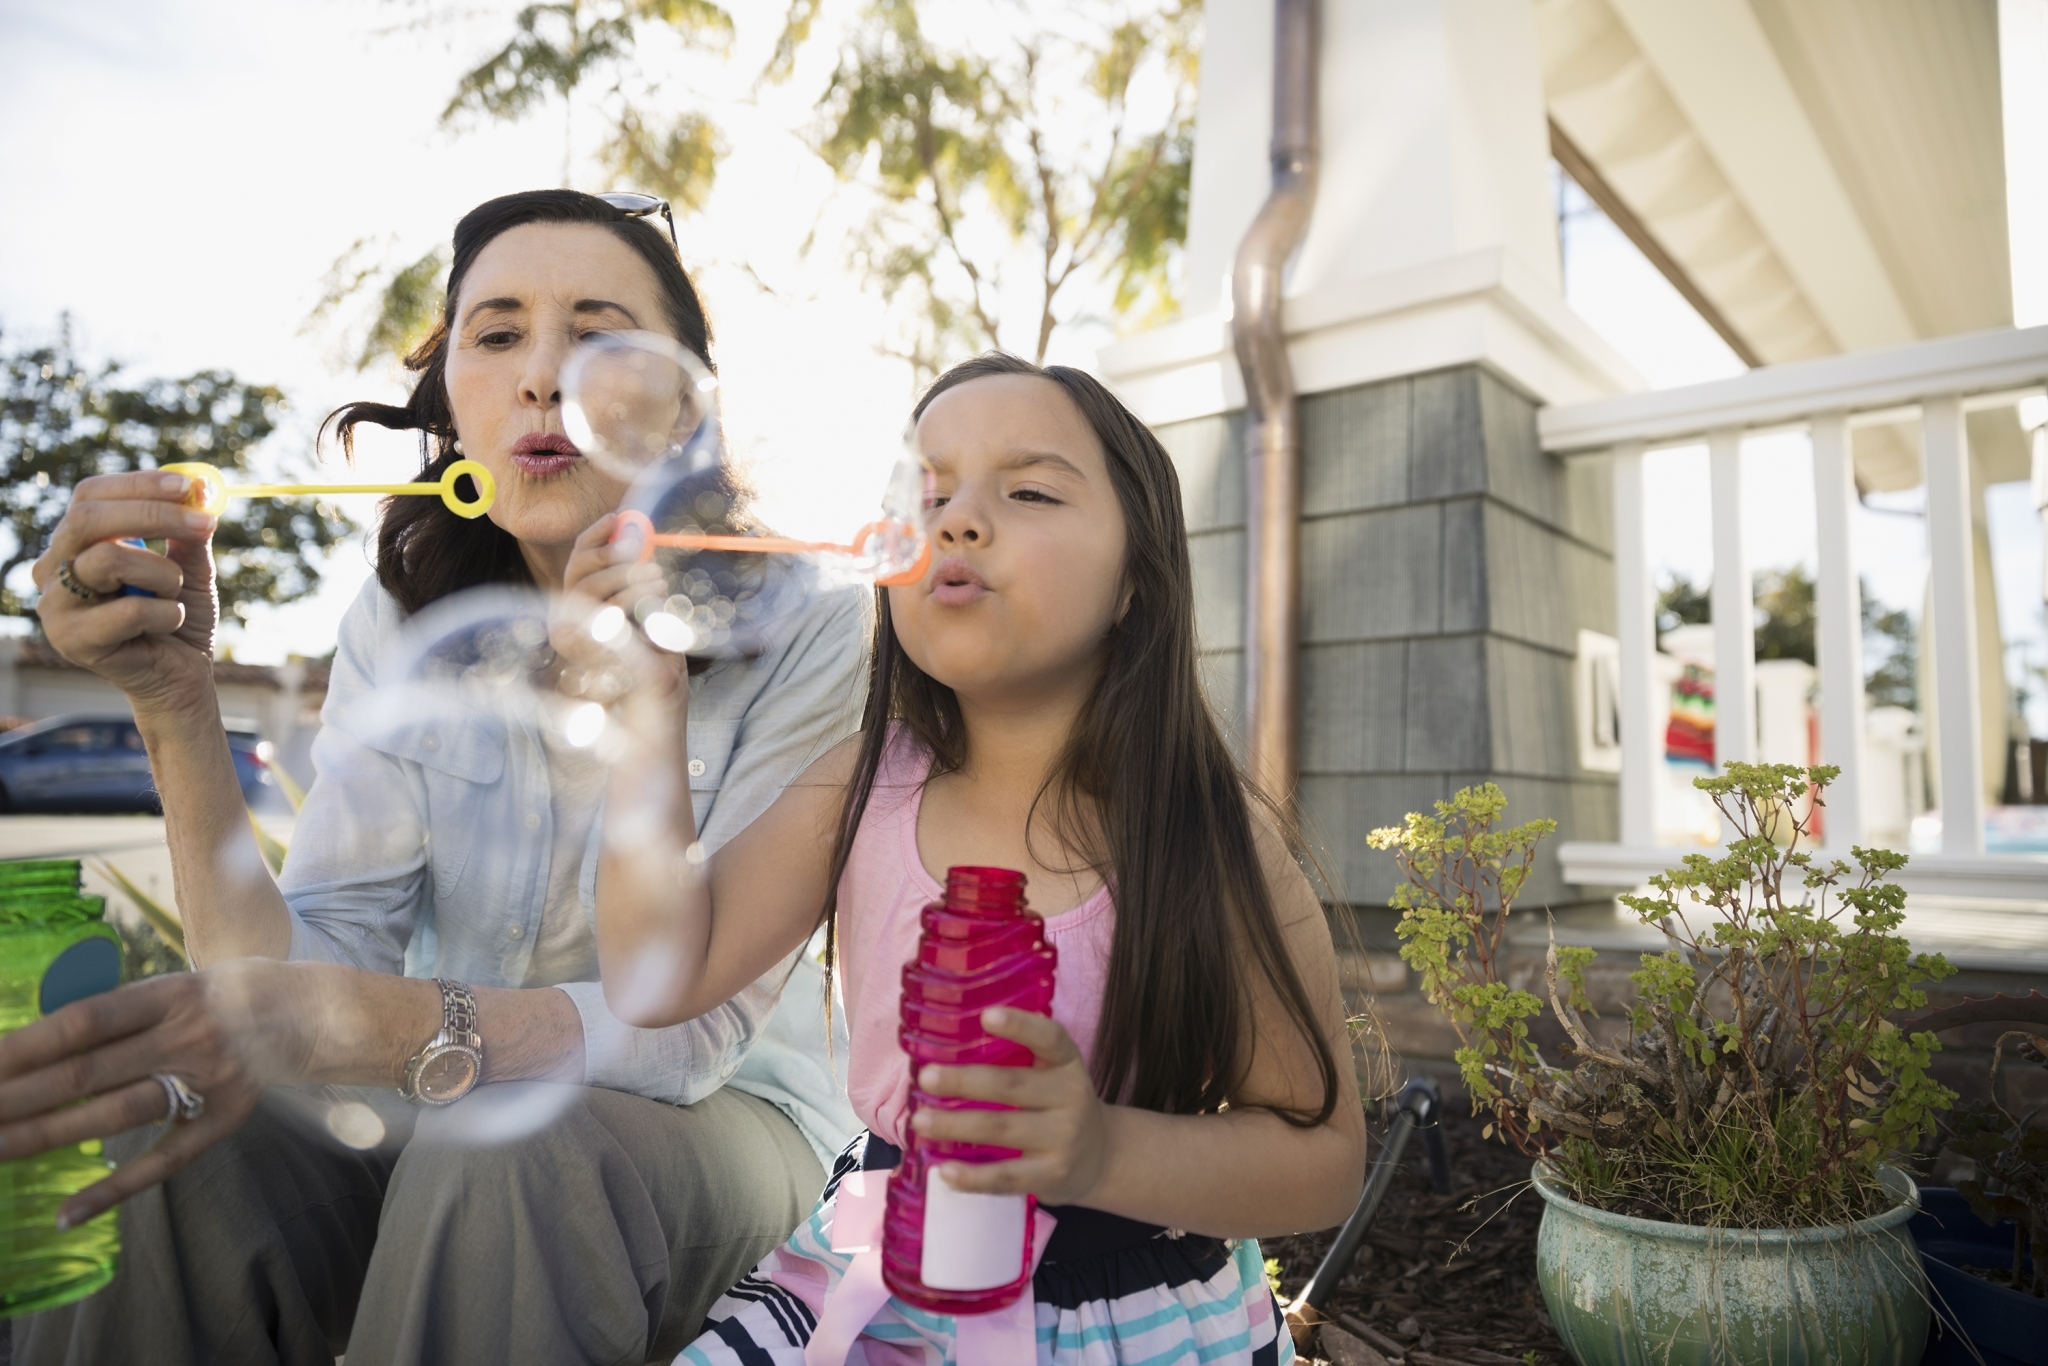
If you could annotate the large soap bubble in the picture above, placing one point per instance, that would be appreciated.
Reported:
(635, 401)
(645, 411)
(473, 691)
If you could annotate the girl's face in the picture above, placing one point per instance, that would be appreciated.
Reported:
(529, 297)
(1027, 536)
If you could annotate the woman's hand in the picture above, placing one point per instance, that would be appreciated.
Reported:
(1059, 1126)
(158, 650)
(229, 1032)
(602, 657)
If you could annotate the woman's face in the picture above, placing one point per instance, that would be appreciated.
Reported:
(1027, 545)
(529, 297)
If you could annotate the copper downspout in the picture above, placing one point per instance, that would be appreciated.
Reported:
(1273, 427)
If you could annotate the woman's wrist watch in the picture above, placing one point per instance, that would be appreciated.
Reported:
(444, 1071)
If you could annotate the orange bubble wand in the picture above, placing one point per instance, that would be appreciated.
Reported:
(763, 545)
(210, 492)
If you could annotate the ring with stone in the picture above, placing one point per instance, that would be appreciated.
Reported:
(186, 1104)
(73, 586)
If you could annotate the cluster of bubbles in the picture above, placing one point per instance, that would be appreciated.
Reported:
(644, 410)
(484, 677)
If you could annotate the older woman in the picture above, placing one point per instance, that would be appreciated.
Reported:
(653, 1183)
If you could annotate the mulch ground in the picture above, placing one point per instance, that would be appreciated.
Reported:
(1449, 1279)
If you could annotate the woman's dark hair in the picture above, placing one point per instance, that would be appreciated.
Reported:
(1145, 790)
(425, 551)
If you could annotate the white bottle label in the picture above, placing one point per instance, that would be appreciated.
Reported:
(971, 1241)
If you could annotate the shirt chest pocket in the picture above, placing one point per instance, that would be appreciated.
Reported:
(710, 749)
(463, 770)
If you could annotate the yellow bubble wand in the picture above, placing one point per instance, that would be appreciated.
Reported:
(210, 492)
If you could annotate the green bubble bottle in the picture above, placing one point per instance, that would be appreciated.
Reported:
(54, 949)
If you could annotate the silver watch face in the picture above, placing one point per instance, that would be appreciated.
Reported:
(447, 1074)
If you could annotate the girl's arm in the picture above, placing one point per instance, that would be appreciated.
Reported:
(679, 934)
(1242, 1173)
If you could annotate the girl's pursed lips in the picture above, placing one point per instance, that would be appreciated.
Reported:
(953, 571)
(955, 583)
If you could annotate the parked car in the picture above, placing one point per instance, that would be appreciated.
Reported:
(97, 764)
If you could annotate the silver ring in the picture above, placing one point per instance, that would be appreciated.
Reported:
(185, 1103)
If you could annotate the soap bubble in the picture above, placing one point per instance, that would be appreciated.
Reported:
(476, 669)
(514, 742)
(632, 401)
(645, 410)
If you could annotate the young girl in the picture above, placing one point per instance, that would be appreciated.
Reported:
(1033, 704)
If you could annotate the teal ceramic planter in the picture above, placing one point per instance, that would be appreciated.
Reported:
(1634, 1292)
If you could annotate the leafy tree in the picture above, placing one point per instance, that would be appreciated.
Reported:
(558, 50)
(1786, 616)
(1895, 681)
(947, 137)
(408, 300)
(560, 47)
(1681, 602)
(62, 420)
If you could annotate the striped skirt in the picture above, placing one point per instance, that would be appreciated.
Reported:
(1109, 1292)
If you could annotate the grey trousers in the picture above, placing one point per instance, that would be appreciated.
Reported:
(527, 1223)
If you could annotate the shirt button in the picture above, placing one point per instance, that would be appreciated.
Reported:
(517, 932)
(431, 742)
(533, 820)
(696, 768)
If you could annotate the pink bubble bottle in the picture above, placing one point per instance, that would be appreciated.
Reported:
(944, 1250)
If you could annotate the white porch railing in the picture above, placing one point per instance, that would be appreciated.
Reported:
(1941, 380)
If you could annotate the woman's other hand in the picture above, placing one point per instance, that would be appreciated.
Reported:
(86, 1071)
(158, 650)
(1059, 1125)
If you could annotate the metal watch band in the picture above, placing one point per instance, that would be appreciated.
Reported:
(457, 1032)
(458, 1009)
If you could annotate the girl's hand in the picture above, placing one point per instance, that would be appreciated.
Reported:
(159, 650)
(1060, 1125)
(229, 1032)
(602, 657)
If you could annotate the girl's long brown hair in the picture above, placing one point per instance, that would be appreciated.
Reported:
(1167, 821)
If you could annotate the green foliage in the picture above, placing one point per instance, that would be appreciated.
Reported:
(1681, 602)
(1761, 1081)
(157, 945)
(678, 161)
(408, 300)
(61, 420)
(555, 48)
(949, 138)
(1785, 626)
(1786, 614)
(558, 51)
(1894, 681)
(1461, 877)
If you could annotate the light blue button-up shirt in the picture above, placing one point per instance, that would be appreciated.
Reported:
(425, 842)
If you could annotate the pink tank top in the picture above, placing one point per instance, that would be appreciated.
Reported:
(884, 887)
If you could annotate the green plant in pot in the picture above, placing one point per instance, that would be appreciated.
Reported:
(1715, 1170)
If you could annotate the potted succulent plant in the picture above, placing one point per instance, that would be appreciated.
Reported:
(1715, 1172)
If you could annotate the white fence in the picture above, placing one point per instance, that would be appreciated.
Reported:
(1941, 380)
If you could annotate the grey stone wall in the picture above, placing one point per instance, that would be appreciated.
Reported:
(1447, 566)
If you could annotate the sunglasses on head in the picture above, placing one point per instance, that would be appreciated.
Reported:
(634, 205)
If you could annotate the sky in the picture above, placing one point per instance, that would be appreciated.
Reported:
(182, 174)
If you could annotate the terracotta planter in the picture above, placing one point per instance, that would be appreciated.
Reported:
(1633, 1292)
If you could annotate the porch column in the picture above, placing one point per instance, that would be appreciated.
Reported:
(1448, 563)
